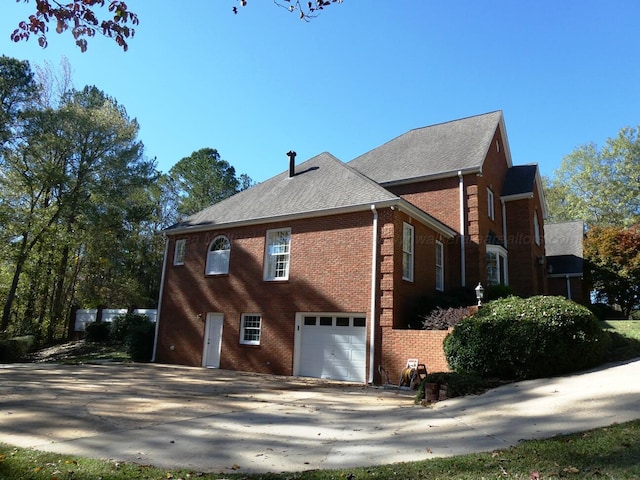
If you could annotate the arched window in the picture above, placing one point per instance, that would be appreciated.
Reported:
(218, 256)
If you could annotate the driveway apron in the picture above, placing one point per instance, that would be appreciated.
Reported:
(211, 420)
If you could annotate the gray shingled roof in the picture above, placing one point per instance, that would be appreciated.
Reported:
(322, 183)
(459, 145)
(519, 180)
(563, 243)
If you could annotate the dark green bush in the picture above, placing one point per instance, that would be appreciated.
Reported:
(124, 325)
(515, 338)
(97, 332)
(139, 342)
(494, 292)
(603, 311)
(16, 348)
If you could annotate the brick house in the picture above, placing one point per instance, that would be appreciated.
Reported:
(314, 271)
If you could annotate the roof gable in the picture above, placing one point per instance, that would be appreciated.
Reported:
(519, 180)
(563, 244)
(445, 148)
(321, 184)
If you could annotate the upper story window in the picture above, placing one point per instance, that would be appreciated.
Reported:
(179, 251)
(536, 228)
(407, 252)
(497, 270)
(491, 208)
(276, 256)
(218, 256)
(250, 328)
(439, 266)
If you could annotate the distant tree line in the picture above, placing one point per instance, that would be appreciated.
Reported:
(601, 186)
(81, 205)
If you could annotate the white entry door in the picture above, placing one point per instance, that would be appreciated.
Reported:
(212, 340)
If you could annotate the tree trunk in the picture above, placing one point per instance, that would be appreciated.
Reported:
(11, 295)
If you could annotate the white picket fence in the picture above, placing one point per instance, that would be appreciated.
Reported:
(87, 316)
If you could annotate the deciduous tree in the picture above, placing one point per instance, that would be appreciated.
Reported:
(599, 185)
(82, 19)
(613, 255)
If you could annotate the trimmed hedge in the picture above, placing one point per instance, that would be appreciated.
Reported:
(515, 338)
(136, 332)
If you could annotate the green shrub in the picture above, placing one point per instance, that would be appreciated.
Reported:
(515, 338)
(494, 292)
(16, 348)
(603, 312)
(139, 342)
(123, 325)
(97, 332)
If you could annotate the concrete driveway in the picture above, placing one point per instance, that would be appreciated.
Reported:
(220, 421)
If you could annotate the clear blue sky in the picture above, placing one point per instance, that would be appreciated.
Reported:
(258, 84)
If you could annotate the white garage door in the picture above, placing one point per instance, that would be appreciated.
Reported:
(332, 346)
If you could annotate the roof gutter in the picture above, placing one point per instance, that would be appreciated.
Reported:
(395, 202)
(435, 176)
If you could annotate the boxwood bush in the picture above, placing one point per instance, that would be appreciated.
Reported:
(516, 338)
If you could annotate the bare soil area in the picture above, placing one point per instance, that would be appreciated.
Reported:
(76, 352)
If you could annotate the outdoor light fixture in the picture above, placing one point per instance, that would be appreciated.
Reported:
(479, 294)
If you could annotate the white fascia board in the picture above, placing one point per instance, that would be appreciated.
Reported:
(519, 196)
(435, 176)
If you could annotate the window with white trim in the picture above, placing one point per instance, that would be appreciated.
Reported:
(218, 256)
(407, 252)
(536, 228)
(491, 208)
(439, 266)
(179, 251)
(276, 257)
(497, 270)
(250, 327)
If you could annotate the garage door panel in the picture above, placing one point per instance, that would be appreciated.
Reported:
(333, 346)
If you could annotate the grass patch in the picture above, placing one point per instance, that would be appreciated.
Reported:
(628, 328)
(611, 452)
(625, 339)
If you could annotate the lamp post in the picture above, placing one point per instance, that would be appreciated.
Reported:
(479, 294)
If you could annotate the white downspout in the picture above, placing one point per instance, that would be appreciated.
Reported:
(374, 283)
(568, 280)
(504, 223)
(164, 269)
(463, 238)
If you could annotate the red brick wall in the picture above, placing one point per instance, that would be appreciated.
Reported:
(408, 293)
(400, 345)
(330, 271)
(527, 275)
(439, 198)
